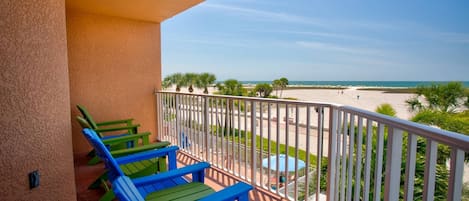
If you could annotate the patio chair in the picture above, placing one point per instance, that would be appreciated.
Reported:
(108, 125)
(119, 142)
(134, 169)
(169, 185)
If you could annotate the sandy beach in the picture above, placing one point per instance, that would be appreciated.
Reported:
(363, 99)
(367, 100)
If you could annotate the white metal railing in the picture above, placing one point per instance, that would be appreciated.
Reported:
(245, 136)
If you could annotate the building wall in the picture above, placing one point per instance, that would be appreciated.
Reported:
(35, 125)
(115, 66)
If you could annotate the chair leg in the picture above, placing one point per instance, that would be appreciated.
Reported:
(100, 180)
(162, 167)
(91, 153)
(108, 196)
(95, 160)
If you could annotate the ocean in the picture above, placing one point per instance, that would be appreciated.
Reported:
(383, 84)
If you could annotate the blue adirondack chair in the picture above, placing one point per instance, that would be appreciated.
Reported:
(133, 170)
(169, 185)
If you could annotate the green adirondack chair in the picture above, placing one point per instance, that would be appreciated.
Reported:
(107, 125)
(100, 128)
(116, 146)
(119, 147)
(138, 141)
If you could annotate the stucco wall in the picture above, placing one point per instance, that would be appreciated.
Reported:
(115, 66)
(35, 126)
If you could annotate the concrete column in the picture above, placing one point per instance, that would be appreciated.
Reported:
(35, 129)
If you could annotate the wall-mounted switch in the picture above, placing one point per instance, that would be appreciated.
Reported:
(33, 179)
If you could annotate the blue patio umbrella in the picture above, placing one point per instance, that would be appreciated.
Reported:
(282, 163)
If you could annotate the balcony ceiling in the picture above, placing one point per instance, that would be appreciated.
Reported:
(146, 10)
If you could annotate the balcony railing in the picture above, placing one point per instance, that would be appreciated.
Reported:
(331, 151)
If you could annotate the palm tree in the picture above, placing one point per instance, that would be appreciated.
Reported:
(283, 84)
(205, 80)
(263, 89)
(230, 87)
(176, 79)
(190, 79)
(276, 85)
(439, 97)
(166, 83)
(414, 104)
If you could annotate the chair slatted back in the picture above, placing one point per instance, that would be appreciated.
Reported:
(103, 153)
(87, 116)
(125, 190)
(84, 124)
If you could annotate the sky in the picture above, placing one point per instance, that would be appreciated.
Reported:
(320, 40)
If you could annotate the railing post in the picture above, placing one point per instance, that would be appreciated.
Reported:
(332, 153)
(456, 174)
(159, 115)
(366, 179)
(320, 148)
(393, 165)
(410, 167)
(253, 143)
(430, 170)
(358, 159)
(206, 123)
(379, 162)
(178, 120)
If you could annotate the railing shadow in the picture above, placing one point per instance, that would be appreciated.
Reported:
(218, 179)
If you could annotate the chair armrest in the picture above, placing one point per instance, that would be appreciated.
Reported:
(195, 169)
(113, 136)
(117, 128)
(122, 121)
(125, 138)
(125, 152)
(239, 191)
(168, 151)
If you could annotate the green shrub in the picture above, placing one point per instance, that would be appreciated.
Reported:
(386, 109)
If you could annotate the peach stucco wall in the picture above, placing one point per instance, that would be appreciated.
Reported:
(115, 66)
(34, 101)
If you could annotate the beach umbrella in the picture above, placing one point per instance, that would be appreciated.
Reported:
(282, 161)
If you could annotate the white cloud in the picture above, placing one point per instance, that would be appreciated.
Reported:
(266, 15)
(216, 42)
(454, 37)
(259, 14)
(338, 48)
(330, 35)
